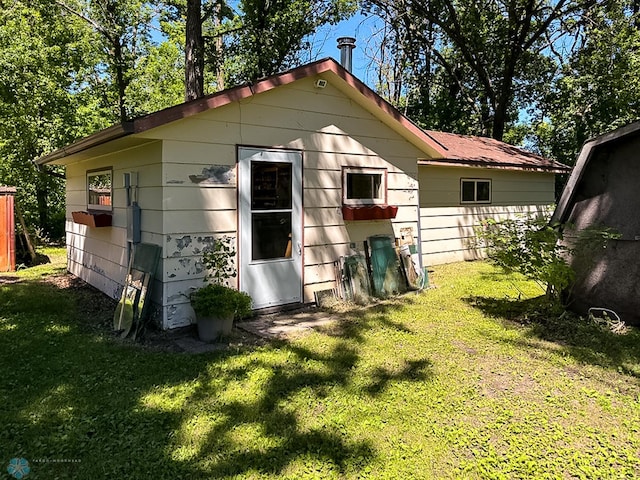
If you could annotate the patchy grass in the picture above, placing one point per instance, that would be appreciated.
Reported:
(438, 385)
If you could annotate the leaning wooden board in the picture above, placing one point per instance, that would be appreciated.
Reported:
(132, 309)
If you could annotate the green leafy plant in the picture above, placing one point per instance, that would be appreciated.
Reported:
(219, 260)
(218, 298)
(529, 245)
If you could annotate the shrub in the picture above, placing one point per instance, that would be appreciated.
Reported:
(216, 298)
(219, 261)
(220, 300)
(529, 245)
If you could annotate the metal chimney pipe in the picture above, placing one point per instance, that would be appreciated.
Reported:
(346, 46)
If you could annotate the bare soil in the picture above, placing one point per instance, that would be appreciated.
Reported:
(96, 311)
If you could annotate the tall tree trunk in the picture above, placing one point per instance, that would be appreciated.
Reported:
(120, 78)
(218, 46)
(194, 52)
(501, 109)
(499, 121)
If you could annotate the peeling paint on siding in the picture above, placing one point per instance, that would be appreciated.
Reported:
(187, 245)
(216, 174)
(183, 242)
(97, 269)
(188, 266)
(186, 262)
(411, 183)
(207, 243)
(178, 297)
(412, 194)
(180, 315)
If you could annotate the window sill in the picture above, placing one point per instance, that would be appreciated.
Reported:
(92, 219)
(370, 212)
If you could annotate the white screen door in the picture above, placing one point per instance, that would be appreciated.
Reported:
(270, 209)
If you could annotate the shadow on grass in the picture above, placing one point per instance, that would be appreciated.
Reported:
(413, 370)
(358, 322)
(583, 339)
(81, 406)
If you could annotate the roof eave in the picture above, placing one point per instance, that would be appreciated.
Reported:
(103, 136)
(177, 112)
(561, 213)
(500, 166)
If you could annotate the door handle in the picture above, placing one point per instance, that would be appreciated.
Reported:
(299, 248)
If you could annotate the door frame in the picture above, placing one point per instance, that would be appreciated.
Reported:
(241, 253)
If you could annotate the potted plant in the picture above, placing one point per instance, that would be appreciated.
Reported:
(216, 305)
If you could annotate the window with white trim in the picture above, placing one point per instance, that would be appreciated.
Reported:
(475, 190)
(99, 189)
(364, 186)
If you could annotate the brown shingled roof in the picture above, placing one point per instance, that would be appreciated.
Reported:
(470, 151)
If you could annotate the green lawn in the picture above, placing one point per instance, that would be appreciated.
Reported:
(436, 385)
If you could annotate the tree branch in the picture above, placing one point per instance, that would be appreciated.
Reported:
(87, 19)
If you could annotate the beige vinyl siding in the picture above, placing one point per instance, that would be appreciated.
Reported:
(440, 186)
(99, 255)
(447, 226)
(331, 131)
(184, 214)
(194, 215)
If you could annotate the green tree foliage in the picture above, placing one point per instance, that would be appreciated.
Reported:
(598, 88)
(122, 30)
(159, 79)
(247, 39)
(270, 34)
(44, 103)
(197, 28)
(485, 59)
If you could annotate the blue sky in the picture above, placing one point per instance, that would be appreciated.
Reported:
(358, 26)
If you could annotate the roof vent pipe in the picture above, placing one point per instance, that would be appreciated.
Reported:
(346, 46)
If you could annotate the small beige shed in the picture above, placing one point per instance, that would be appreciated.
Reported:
(299, 168)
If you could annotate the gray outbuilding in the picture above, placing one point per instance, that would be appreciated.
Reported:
(603, 192)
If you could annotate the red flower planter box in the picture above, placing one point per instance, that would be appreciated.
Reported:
(92, 219)
(369, 212)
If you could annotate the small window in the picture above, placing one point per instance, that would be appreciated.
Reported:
(364, 186)
(475, 191)
(99, 189)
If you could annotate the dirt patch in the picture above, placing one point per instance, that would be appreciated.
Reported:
(96, 311)
(8, 280)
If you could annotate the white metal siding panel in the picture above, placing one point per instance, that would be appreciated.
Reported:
(448, 226)
(331, 130)
(440, 186)
(99, 255)
(448, 233)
